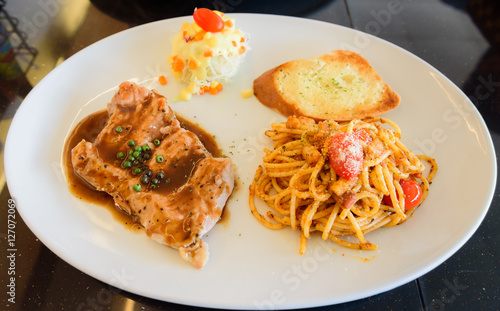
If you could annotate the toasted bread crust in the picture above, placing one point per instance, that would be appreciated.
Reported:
(340, 85)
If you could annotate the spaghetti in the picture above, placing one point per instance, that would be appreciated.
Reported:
(303, 190)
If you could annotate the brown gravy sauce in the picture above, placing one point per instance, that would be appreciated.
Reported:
(88, 129)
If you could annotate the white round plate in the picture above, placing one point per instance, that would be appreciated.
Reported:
(250, 266)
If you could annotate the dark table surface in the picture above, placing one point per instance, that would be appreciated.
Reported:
(460, 38)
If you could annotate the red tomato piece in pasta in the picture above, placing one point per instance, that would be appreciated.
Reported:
(345, 153)
(412, 192)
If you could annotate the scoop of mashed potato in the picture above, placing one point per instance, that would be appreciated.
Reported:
(204, 60)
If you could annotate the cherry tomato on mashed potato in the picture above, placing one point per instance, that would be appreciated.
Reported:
(208, 20)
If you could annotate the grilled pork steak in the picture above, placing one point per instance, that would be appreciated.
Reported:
(165, 179)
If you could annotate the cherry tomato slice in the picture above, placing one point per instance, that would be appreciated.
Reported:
(412, 191)
(345, 154)
(208, 20)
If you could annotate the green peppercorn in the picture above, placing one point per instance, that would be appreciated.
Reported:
(146, 148)
(159, 158)
(136, 154)
(137, 171)
(137, 187)
(120, 155)
(131, 143)
(118, 129)
(160, 174)
(156, 142)
(153, 186)
(144, 179)
(127, 164)
(155, 181)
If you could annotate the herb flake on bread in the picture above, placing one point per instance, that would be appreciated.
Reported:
(339, 85)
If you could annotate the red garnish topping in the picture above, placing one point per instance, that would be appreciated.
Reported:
(208, 20)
